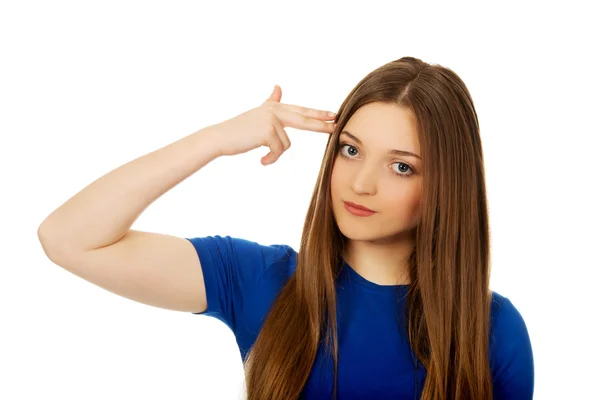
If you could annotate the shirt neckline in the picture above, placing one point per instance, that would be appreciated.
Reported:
(372, 286)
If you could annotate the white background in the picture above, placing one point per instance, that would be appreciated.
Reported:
(89, 86)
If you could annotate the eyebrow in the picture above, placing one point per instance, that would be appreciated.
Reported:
(396, 152)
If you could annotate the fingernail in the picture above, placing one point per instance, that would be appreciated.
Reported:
(331, 114)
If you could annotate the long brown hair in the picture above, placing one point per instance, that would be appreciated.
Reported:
(448, 301)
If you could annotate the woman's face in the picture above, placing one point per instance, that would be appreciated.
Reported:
(365, 173)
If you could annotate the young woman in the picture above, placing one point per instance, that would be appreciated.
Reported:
(388, 296)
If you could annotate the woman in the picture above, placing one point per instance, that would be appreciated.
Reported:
(388, 303)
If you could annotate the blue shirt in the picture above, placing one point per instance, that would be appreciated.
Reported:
(242, 279)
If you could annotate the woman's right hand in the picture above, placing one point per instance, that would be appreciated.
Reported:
(264, 126)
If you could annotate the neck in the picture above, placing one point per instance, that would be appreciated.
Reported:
(381, 262)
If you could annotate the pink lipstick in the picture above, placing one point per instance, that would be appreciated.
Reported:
(358, 210)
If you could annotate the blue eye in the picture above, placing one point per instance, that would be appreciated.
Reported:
(342, 146)
(402, 174)
(407, 166)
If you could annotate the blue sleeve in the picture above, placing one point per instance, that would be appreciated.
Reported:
(231, 267)
(513, 367)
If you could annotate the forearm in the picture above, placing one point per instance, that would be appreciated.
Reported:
(104, 211)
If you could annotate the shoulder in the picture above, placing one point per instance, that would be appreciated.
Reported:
(241, 274)
(506, 319)
(511, 355)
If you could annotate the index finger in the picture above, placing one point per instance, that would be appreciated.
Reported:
(311, 112)
(287, 117)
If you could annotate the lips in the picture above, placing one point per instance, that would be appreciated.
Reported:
(358, 206)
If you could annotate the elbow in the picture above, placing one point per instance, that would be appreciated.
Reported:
(48, 240)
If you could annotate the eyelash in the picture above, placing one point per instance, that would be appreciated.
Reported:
(341, 146)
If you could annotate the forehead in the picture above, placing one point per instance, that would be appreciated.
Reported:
(388, 125)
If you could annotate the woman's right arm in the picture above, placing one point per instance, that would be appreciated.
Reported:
(102, 213)
(90, 234)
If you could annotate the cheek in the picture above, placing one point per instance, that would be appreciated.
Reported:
(404, 204)
(335, 181)
(414, 206)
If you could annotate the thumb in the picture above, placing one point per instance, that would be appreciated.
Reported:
(276, 94)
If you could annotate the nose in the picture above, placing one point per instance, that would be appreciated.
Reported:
(365, 181)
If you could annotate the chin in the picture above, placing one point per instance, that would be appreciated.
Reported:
(361, 229)
(360, 236)
(358, 228)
